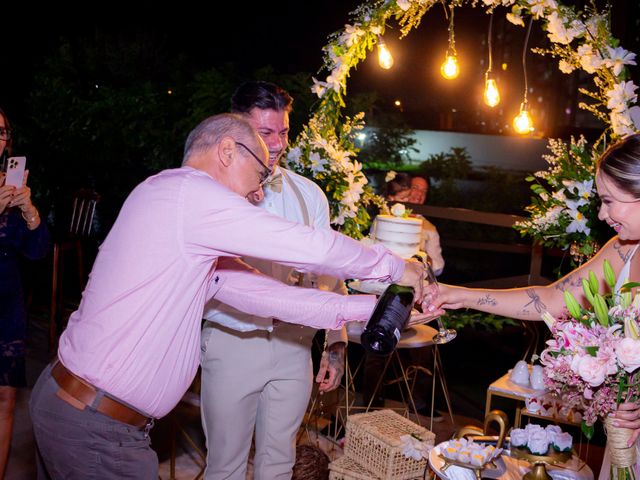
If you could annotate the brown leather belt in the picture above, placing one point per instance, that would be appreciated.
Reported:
(85, 393)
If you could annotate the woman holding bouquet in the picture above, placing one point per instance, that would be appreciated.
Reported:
(618, 185)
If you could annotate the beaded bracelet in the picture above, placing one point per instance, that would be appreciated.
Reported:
(31, 218)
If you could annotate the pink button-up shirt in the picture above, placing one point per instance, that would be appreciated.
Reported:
(136, 333)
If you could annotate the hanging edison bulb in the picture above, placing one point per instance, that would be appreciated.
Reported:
(450, 68)
(491, 92)
(385, 59)
(523, 123)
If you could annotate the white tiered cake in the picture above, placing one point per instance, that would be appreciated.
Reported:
(401, 235)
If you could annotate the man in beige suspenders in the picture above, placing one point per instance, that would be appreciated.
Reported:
(257, 372)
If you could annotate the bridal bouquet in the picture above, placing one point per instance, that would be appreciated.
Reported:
(592, 361)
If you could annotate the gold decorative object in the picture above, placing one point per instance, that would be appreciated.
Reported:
(478, 435)
(538, 472)
(539, 462)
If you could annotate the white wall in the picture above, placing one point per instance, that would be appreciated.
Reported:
(508, 152)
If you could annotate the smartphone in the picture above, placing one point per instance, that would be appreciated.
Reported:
(15, 171)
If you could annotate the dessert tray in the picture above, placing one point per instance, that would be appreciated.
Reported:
(478, 458)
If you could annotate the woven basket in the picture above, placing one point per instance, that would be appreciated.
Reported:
(373, 439)
(346, 468)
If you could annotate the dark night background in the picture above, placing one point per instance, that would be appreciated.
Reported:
(86, 85)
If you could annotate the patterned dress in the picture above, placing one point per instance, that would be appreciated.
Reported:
(16, 241)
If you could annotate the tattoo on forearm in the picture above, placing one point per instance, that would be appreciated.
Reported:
(334, 357)
(536, 302)
(487, 300)
(572, 280)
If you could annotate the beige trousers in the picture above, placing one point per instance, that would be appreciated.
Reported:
(254, 381)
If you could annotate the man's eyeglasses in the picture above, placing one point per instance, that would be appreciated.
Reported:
(5, 133)
(266, 170)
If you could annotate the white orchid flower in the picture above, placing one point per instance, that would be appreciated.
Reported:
(590, 60)
(579, 222)
(618, 58)
(317, 163)
(319, 87)
(582, 189)
(620, 95)
(558, 32)
(622, 123)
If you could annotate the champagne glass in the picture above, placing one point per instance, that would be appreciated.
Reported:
(444, 335)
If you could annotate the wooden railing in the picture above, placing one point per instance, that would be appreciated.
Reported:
(534, 277)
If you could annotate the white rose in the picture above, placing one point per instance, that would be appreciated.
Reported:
(628, 353)
(552, 432)
(397, 209)
(563, 442)
(519, 437)
(539, 442)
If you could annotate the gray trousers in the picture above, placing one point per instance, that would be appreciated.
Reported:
(84, 444)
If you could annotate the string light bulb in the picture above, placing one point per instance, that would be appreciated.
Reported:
(491, 92)
(385, 59)
(523, 123)
(450, 68)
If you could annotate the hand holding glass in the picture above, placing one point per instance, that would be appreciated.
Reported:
(444, 335)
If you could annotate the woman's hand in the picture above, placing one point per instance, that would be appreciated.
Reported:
(6, 193)
(628, 416)
(22, 196)
(419, 318)
(443, 296)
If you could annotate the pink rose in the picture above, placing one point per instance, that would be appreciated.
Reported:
(590, 369)
(628, 352)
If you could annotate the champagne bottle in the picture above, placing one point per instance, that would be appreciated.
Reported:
(389, 317)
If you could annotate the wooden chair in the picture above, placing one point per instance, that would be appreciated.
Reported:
(80, 225)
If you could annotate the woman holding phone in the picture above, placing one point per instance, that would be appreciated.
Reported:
(22, 234)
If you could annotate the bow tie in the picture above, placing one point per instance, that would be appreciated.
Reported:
(275, 183)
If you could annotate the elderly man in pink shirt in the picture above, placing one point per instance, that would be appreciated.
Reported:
(131, 349)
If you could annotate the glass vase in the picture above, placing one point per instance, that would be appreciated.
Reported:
(623, 457)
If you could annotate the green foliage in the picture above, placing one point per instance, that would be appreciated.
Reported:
(564, 208)
(456, 163)
(460, 319)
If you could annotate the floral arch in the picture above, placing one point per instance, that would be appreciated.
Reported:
(325, 150)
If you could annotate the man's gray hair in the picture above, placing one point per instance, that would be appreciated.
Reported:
(211, 130)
